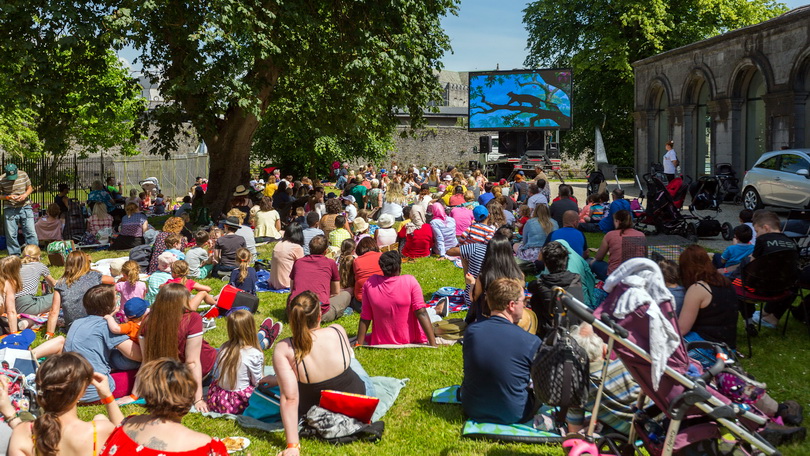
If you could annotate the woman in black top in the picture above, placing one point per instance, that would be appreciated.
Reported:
(710, 306)
(308, 363)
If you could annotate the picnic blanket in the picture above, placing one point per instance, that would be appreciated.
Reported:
(263, 283)
(454, 295)
(387, 389)
(522, 432)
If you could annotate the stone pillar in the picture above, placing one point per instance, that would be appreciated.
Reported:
(688, 154)
(652, 133)
(779, 110)
(801, 137)
(640, 133)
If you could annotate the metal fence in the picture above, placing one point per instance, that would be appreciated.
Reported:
(175, 175)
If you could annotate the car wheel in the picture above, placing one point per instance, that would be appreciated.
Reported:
(728, 231)
(751, 199)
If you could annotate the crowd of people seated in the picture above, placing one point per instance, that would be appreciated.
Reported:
(337, 254)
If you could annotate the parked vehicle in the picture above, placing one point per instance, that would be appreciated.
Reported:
(780, 178)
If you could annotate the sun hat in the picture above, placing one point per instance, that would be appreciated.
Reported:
(480, 213)
(385, 221)
(360, 225)
(165, 261)
(233, 222)
(448, 177)
(11, 171)
(348, 198)
(241, 190)
(135, 307)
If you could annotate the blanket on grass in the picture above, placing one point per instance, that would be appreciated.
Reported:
(387, 389)
(522, 432)
(263, 285)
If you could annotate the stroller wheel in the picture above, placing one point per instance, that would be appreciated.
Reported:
(728, 231)
(691, 233)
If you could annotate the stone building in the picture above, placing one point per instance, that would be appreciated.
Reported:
(727, 99)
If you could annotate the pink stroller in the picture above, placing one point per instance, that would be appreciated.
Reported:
(688, 417)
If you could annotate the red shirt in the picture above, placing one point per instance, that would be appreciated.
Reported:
(365, 266)
(316, 274)
(419, 243)
(121, 443)
(189, 283)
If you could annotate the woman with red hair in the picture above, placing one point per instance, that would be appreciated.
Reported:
(710, 306)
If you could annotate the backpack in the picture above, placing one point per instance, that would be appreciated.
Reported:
(141, 255)
(560, 371)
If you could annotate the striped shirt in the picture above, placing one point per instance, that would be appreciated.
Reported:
(474, 254)
(478, 232)
(31, 274)
(17, 186)
(618, 398)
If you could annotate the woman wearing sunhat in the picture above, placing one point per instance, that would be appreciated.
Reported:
(241, 201)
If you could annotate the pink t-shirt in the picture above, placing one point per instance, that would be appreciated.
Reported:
(614, 242)
(463, 218)
(189, 283)
(389, 303)
(129, 291)
(284, 255)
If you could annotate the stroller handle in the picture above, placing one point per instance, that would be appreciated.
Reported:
(580, 311)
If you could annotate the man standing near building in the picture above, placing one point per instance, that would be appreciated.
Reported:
(16, 187)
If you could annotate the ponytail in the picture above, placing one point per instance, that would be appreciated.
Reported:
(305, 310)
(61, 381)
(243, 255)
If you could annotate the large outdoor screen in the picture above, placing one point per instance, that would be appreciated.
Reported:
(521, 100)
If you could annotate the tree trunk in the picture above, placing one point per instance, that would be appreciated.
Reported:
(229, 158)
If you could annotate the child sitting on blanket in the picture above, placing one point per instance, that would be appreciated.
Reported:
(240, 366)
(179, 275)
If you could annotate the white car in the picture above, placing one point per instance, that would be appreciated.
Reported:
(780, 178)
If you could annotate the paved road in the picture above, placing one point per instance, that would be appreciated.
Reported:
(728, 213)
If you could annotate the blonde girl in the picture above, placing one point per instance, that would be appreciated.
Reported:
(244, 276)
(240, 366)
(129, 285)
(31, 274)
(179, 275)
(11, 284)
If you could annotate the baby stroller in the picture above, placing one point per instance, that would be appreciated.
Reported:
(596, 182)
(729, 185)
(663, 211)
(687, 416)
(707, 194)
(151, 186)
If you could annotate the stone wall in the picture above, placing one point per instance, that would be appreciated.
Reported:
(440, 146)
(704, 96)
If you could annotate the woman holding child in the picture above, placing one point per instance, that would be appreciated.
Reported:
(130, 232)
(174, 225)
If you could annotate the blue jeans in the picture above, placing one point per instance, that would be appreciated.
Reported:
(14, 217)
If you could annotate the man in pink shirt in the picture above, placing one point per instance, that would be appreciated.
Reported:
(395, 304)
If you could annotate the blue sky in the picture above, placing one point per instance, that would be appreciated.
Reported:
(487, 33)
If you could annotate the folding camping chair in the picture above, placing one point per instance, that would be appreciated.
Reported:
(769, 278)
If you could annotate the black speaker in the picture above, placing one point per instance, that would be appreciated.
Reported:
(485, 144)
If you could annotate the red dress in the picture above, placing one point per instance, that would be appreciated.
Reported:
(121, 444)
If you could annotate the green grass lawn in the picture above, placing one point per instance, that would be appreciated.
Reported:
(414, 425)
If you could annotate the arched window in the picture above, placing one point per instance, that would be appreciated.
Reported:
(662, 124)
(754, 119)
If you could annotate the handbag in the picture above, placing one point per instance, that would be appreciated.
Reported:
(560, 369)
(264, 405)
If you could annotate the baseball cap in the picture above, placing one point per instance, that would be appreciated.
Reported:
(135, 307)
(480, 213)
(11, 171)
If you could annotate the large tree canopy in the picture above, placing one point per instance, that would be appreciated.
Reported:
(600, 39)
(61, 86)
(320, 68)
